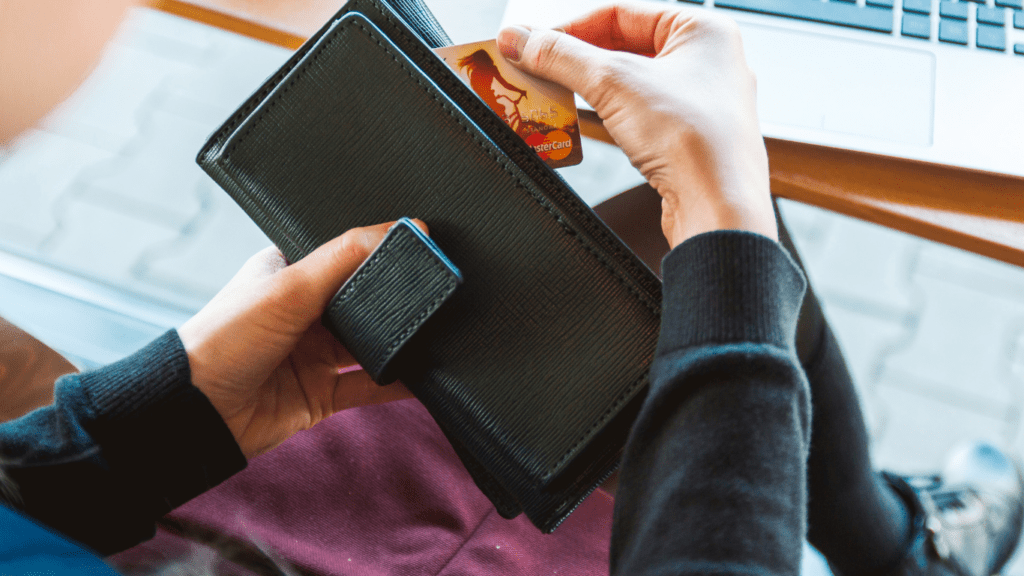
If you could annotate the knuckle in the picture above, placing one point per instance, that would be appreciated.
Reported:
(268, 260)
(351, 248)
(721, 26)
(546, 51)
(294, 286)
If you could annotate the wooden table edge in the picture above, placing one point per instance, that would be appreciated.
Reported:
(241, 24)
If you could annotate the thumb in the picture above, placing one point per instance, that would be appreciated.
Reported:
(555, 56)
(315, 279)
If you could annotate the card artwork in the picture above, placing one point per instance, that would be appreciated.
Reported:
(542, 113)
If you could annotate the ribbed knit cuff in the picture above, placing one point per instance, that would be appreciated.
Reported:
(148, 379)
(156, 426)
(729, 286)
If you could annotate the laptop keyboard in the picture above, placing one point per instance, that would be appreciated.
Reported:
(915, 18)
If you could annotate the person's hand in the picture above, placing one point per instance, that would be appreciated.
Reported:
(260, 354)
(676, 94)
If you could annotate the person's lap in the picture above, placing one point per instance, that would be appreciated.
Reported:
(375, 490)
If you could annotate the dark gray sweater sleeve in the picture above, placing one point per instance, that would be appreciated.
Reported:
(713, 476)
(119, 448)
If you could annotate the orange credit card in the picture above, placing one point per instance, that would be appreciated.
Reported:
(541, 112)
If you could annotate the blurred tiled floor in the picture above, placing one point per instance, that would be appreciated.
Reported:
(109, 190)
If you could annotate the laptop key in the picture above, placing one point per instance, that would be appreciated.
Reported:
(994, 16)
(1018, 49)
(917, 26)
(1015, 4)
(953, 31)
(1018, 20)
(838, 13)
(884, 3)
(917, 6)
(991, 37)
(956, 10)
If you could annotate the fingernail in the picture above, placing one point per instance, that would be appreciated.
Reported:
(511, 41)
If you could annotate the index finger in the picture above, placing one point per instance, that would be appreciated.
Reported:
(637, 28)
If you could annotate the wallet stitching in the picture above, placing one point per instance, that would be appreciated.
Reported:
(632, 387)
(520, 184)
(599, 230)
(419, 320)
(268, 217)
(642, 297)
(239, 117)
(618, 250)
(255, 100)
(357, 279)
(272, 84)
(432, 307)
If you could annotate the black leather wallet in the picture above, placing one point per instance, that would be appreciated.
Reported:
(536, 365)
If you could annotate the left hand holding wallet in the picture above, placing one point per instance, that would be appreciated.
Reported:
(260, 354)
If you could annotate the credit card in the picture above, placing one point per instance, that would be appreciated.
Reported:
(541, 112)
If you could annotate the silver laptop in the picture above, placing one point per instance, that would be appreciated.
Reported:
(934, 80)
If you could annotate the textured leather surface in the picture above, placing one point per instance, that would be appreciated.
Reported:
(536, 366)
(380, 308)
(420, 19)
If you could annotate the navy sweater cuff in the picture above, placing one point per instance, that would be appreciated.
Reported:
(157, 428)
(729, 286)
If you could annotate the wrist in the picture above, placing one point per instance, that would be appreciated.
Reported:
(686, 214)
(191, 342)
(215, 386)
(151, 419)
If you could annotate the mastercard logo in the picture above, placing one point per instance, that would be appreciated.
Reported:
(554, 145)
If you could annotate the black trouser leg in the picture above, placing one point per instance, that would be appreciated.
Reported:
(854, 518)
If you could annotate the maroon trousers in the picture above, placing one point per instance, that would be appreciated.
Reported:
(371, 491)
